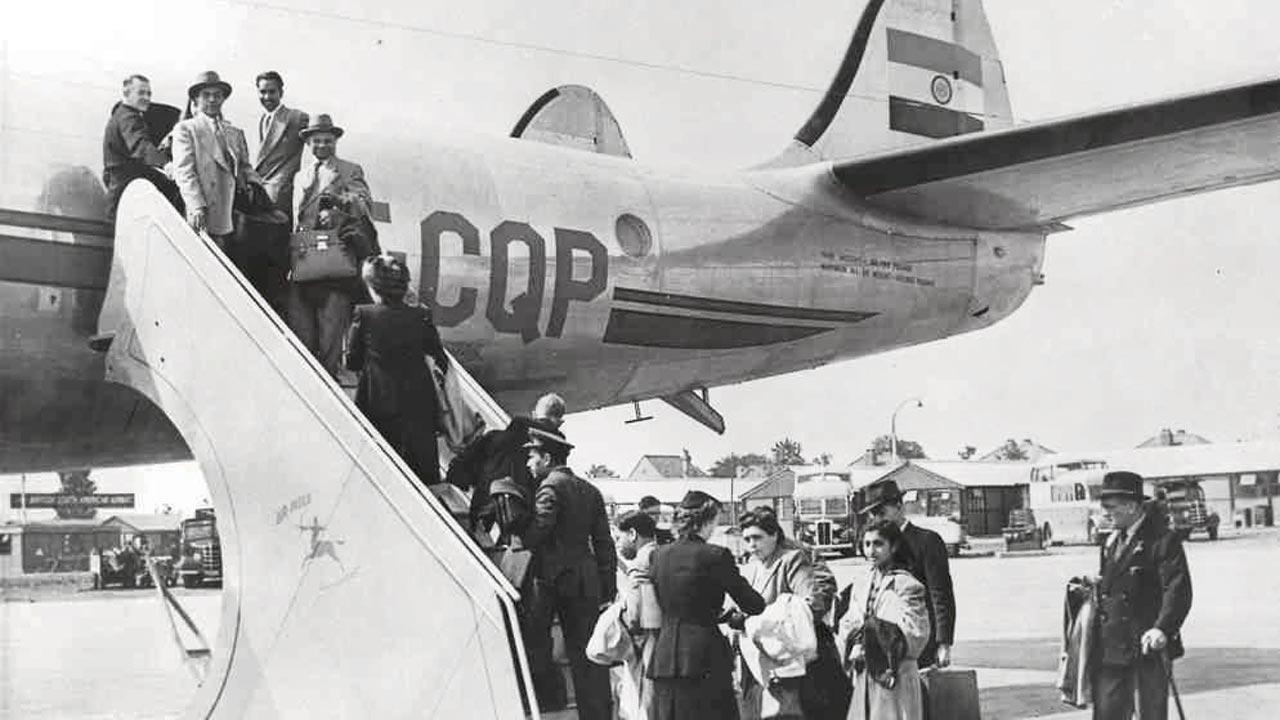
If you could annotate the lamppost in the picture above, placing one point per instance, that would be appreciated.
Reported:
(893, 427)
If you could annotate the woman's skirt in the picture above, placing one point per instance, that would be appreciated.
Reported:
(709, 698)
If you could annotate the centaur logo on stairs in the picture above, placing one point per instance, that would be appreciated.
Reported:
(323, 548)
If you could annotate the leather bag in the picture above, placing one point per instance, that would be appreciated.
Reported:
(320, 255)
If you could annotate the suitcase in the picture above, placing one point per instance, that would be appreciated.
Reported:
(951, 695)
(320, 255)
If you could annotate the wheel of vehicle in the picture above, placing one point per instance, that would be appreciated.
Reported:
(953, 550)
(190, 581)
(1213, 532)
(1184, 535)
(1047, 534)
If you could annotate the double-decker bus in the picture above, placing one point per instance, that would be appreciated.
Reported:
(1064, 498)
(825, 517)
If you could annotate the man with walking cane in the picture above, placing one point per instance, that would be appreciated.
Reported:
(1144, 594)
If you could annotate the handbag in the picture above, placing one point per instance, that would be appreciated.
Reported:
(252, 199)
(320, 255)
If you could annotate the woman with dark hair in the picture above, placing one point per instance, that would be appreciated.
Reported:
(885, 630)
(388, 343)
(692, 665)
(781, 565)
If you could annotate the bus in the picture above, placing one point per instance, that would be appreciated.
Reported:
(825, 517)
(1064, 498)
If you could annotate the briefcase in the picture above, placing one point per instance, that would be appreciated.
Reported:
(951, 694)
(320, 255)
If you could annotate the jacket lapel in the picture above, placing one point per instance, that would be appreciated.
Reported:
(1122, 556)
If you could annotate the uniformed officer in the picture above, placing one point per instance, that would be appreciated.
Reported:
(575, 565)
(1144, 595)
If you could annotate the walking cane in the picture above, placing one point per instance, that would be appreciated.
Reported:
(1168, 673)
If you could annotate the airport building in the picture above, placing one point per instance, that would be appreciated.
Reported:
(1240, 480)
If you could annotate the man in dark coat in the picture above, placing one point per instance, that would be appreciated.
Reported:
(1144, 594)
(575, 565)
(388, 343)
(129, 146)
(929, 565)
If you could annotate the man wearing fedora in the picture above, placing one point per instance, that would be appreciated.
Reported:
(327, 188)
(575, 565)
(327, 174)
(929, 565)
(210, 159)
(1144, 594)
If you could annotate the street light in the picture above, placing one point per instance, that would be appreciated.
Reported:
(893, 427)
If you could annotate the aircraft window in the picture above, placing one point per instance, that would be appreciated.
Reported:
(633, 236)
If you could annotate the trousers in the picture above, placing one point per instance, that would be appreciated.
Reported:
(319, 313)
(577, 614)
(1120, 689)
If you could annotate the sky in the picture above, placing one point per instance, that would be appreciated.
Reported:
(1154, 317)
(1162, 316)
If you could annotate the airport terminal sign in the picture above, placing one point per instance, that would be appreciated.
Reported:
(68, 505)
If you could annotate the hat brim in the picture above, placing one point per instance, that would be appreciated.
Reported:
(221, 84)
(1103, 494)
(335, 131)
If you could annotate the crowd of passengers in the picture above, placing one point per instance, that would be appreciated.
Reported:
(688, 654)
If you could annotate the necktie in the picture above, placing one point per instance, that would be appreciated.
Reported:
(222, 144)
(262, 126)
(314, 186)
(1119, 546)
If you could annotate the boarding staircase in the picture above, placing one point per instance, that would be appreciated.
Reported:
(349, 590)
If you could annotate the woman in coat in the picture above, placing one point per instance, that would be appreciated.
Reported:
(692, 665)
(779, 565)
(885, 630)
(388, 343)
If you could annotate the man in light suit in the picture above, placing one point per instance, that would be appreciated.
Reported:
(320, 310)
(210, 159)
(265, 244)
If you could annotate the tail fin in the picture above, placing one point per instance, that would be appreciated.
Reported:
(915, 70)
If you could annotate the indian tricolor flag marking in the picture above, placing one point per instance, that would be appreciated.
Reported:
(935, 86)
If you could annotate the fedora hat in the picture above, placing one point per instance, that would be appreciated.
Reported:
(208, 78)
(1122, 483)
(320, 123)
(880, 493)
(540, 438)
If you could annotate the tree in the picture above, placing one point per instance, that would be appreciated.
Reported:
(77, 482)
(907, 449)
(728, 465)
(1011, 451)
(787, 452)
(601, 471)
(968, 452)
(690, 470)
(823, 459)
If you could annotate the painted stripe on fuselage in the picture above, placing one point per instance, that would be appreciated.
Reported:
(630, 327)
(661, 299)
(932, 121)
(933, 54)
(59, 223)
(55, 264)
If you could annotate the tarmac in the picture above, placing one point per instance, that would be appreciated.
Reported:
(1009, 607)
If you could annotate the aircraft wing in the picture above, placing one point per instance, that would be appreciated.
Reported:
(1040, 175)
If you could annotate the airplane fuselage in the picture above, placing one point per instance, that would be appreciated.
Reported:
(549, 268)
